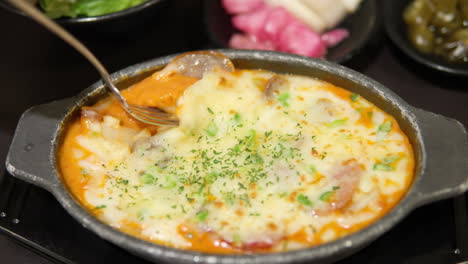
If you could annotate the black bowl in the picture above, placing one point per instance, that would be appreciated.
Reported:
(362, 25)
(117, 22)
(396, 30)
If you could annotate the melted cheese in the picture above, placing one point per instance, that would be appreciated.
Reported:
(245, 171)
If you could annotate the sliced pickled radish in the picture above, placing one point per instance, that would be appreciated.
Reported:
(195, 64)
(335, 36)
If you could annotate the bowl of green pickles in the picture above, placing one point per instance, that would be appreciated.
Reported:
(102, 15)
(432, 32)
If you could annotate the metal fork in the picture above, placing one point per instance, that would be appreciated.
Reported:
(153, 116)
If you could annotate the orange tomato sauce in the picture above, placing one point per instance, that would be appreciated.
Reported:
(164, 93)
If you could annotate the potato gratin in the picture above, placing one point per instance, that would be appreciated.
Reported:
(261, 162)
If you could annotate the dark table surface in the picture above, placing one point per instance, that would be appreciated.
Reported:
(36, 67)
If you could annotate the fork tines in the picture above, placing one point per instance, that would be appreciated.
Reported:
(152, 115)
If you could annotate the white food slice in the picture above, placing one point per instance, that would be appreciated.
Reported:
(330, 11)
(301, 12)
(351, 5)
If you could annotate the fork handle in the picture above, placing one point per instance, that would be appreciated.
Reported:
(55, 28)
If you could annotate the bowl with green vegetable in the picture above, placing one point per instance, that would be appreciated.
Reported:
(102, 15)
(434, 33)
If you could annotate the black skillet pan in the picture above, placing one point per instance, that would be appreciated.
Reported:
(440, 145)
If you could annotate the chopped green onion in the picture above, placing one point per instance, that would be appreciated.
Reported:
(209, 110)
(100, 206)
(312, 169)
(283, 99)
(147, 178)
(170, 183)
(326, 195)
(337, 123)
(237, 117)
(383, 167)
(212, 129)
(201, 216)
(354, 97)
(304, 200)
(385, 127)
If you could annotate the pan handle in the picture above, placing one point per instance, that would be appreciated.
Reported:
(30, 157)
(446, 165)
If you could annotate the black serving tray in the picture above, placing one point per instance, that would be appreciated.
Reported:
(35, 68)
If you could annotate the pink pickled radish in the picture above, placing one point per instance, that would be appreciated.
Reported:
(252, 23)
(335, 36)
(277, 19)
(299, 39)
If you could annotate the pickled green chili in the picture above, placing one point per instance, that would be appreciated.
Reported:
(439, 27)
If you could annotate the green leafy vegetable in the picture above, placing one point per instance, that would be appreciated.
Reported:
(85, 8)
(304, 200)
